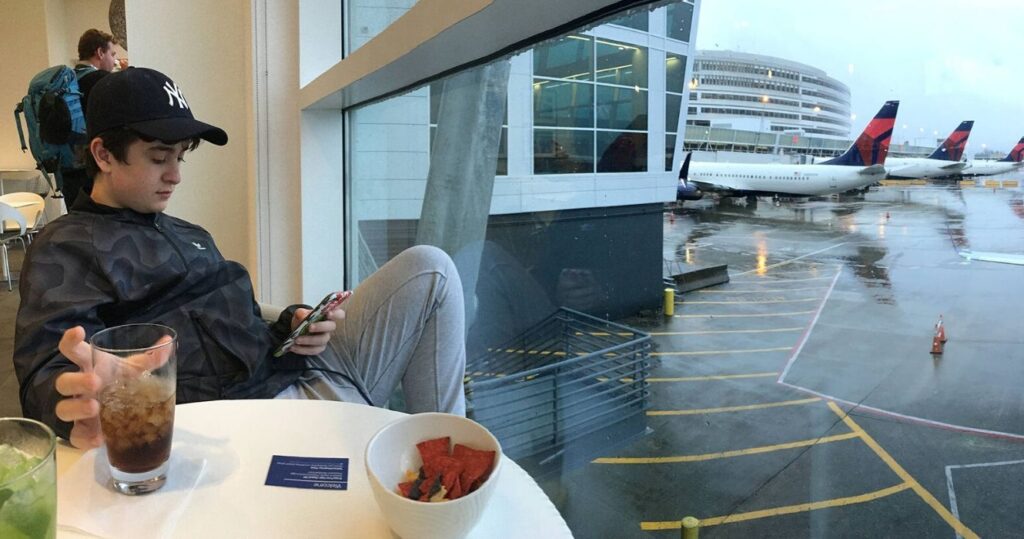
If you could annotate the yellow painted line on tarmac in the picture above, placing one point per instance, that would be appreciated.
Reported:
(716, 352)
(778, 511)
(727, 409)
(922, 492)
(714, 377)
(747, 302)
(724, 331)
(765, 315)
(761, 291)
(1010, 183)
(726, 454)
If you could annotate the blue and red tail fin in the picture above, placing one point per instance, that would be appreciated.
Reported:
(872, 145)
(1016, 155)
(952, 149)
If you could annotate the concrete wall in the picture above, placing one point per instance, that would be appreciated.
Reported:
(23, 35)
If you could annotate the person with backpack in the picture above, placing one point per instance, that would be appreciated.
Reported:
(119, 259)
(97, 57)
(54, 113)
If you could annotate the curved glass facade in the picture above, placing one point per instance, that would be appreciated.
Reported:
(763, 93)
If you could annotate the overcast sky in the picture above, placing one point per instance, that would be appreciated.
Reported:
(945, 61)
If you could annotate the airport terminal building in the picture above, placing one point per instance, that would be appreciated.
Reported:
(588, 145)
(762, 93)
(742, 106)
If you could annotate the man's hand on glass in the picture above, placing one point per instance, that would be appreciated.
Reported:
(81, 388)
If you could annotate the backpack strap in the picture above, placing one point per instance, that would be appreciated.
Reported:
(82, 70)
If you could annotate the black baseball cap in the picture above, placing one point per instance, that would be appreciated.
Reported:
(148, 102)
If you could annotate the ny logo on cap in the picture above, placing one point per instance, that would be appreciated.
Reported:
(174, 93)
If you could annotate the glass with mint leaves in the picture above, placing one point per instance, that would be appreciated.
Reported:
(28, 479)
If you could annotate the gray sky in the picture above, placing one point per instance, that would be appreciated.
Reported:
(946, 61)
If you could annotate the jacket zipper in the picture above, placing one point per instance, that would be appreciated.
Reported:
(174, 245)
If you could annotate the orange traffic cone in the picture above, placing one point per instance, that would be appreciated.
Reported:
(936, 346)
(940, 330)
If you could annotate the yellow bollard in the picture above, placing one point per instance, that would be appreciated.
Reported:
(670, 301)
(691, 527)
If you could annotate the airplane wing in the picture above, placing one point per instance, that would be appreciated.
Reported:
(959, 165)
(873, 169)
(1002, 258)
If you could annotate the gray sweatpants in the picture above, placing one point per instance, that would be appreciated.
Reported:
(405, 323)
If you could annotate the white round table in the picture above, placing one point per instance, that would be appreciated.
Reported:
(221, 454)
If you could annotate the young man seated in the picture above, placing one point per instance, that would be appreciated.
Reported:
(118, 259)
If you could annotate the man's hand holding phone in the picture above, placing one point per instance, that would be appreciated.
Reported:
(311, 329)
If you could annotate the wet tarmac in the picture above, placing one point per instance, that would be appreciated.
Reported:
(801, 399)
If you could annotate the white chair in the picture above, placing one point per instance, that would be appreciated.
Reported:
(17, 232)
(29, 205)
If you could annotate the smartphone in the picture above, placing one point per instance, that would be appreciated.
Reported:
(328, 304)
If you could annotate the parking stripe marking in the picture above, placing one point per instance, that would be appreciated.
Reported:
(810, 327)
(747, 302)
(725, 331)
(773, 280)
(714, 377)
(777, 511)
(949, 481)
(726, 454)
(726, 409)
(713, 352)
(791, 260)
(760, 291)
(906, 477)
(766, 315)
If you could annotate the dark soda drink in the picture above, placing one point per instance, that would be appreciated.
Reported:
(137, 418)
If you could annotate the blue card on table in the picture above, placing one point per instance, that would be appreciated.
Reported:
(308, 472)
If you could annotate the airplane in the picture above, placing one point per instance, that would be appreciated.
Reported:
(987, 167)
(944, 161)
(860, 166)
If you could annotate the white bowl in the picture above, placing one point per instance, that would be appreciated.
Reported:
(392, 451)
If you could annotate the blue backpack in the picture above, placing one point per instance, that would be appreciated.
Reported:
(55, 119)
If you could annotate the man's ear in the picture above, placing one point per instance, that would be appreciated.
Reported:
(104, 159)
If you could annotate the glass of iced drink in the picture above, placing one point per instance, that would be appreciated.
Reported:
(28, 479)
(137, 365)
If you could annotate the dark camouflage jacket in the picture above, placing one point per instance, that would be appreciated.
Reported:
(99, 267)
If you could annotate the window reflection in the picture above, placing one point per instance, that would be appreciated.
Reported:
(672, 102)
(621, 108)
(621, 63)
(621, 151)
(561, 151)
(570, 57)
(675, 84)
(563, 104)
(636, 21)
(675, 72)
(679, 18)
